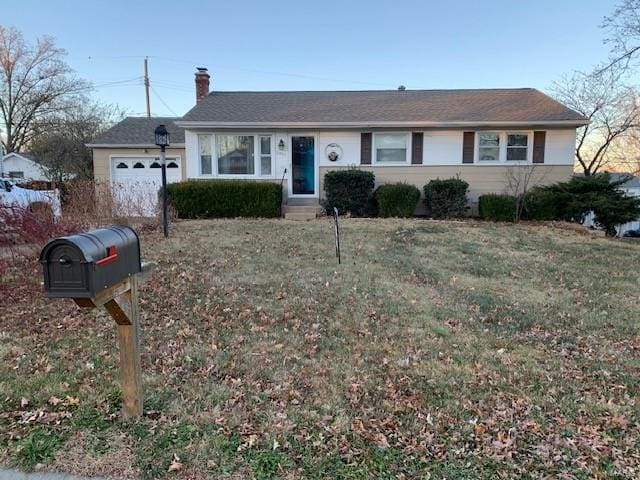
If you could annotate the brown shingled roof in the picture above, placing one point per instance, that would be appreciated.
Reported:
(418, 106)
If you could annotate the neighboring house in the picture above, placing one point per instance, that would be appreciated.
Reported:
(23, 167)
(126, 158)
(408, 136)
(631, 187)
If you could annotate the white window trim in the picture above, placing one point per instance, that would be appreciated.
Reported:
(257, 155)
(212, 144)
(260, 154)
(500, 145)
(374, 155)
(529, 136)
(502, 156)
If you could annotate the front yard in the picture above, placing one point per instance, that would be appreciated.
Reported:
(436, 350)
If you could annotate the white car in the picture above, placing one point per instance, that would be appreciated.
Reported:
(11, 194)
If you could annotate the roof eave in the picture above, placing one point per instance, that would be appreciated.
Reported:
(130, 145)
(375, 124)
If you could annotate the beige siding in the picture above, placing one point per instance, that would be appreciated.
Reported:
(481, 178)
(101, 159)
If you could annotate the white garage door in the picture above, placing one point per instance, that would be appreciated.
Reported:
(136, 181)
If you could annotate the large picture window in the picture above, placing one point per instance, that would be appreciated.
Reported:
(489, 147)
(235, 154)
(204, 145)
(517, 146)
(391, 147)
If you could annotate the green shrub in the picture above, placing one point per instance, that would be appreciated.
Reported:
(397, 200)
(576, 198)
(540, 204)
(497, 208)
(349, 190)
(446, 198)
(225, 198)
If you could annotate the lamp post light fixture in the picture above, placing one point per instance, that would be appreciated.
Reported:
(162, 140)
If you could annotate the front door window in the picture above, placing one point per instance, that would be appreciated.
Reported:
(303, 175)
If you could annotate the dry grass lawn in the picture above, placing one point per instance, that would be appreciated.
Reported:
(436, 350)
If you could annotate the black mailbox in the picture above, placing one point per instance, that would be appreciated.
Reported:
(80, 266)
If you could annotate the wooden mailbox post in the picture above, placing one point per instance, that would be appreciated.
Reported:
(103, 269)
(121, 302)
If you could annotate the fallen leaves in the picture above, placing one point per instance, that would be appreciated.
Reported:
(175, 464)
(259, 358)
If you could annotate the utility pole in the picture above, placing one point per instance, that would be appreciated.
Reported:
(146, 85)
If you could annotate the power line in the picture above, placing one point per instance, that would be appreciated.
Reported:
(261, 72)
(163, 102)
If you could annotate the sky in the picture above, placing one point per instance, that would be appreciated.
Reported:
(325, 45)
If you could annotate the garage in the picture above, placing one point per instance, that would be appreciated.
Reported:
(136, 180)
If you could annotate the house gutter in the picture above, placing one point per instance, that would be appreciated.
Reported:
(130, 145)
(412, 124)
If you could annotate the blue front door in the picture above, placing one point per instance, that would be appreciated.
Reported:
(303, 166)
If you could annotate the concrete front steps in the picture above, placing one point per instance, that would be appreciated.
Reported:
(301, 212)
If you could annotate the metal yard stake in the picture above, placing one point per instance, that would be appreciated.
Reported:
(337, 232)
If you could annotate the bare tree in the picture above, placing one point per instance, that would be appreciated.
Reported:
(624, 155)
(623, 33)
(612, 108)
(519, 180)
(60, 142)
(35, 83)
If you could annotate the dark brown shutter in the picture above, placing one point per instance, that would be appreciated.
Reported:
(365, 148)
(468, 146)
(539, 140)
(417, 140)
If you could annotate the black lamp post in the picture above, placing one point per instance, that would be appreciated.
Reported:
(162, 140)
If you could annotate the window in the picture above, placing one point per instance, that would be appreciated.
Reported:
(235, 154)
(122, 165)
(138, 165)
(204, 142)
(172, 165)
(155, 165)
(265, 156)
(517, 145)
(16, 174)
(488, 147)
(391, 147)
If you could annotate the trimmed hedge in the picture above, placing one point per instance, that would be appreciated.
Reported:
(225, 198)
(397, 200)
(446, 198)
(496, 207)
(349, 190)
(540, 204)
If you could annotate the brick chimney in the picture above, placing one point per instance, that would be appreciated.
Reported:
(202, 83)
